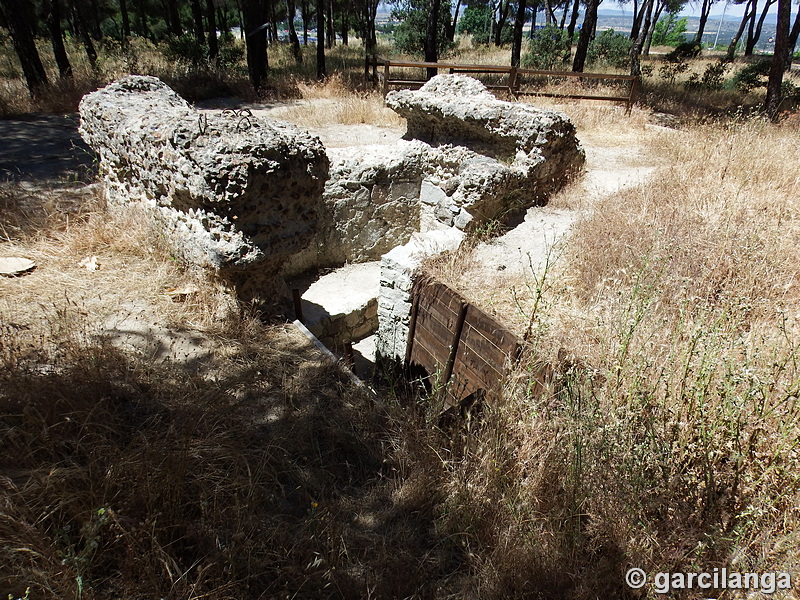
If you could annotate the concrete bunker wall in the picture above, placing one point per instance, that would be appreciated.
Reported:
(257, 200)
(232, 193)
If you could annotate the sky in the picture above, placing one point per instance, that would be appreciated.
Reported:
(692, 9)
(733, 10)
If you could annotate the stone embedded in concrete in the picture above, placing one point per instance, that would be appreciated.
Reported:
(371, 205)
(508, 156)
(398, 269)
(457, 109)
(231, 192)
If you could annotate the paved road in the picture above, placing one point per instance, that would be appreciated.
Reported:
(44, 147)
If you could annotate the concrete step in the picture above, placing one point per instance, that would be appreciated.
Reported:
(341, 306)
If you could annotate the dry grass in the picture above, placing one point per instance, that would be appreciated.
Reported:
(125, 478)
(122, 475)
(58, 228)
(667, 436)
(335, 104)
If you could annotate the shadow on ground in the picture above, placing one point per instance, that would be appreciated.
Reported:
(268, 480)
(44, 147)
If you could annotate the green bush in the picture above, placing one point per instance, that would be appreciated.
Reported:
(669, 71)
(751, 76)
(230, 53)
(713, 77)
(684, 51)
(549, 46)
(610, 48)
(184, 48)
(790, 90)
(475, 20)
(669, 31)
(409, 37)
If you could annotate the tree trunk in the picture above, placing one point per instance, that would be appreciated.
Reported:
(126, 20)
(372, 14)
(748, 49)
(431, 37)
(273, 21)
(322, 72)
(305, 15)
(533, 19)
(451, 30)
(240, 16)
(548, 14)
(773, 101)
(651, 29)
(296, 52)
(638, 15)
(502, 17)
(346, 25)
(211, 17)
(705, 9)
(587, 29)
(564, 16)
(57, 37)
(751, 44)
(254, 17)
(142, 28)
(197, 19)
(330, 31)
(80, 29)
(222, 20)
(94, 22)
(638, 44)
(748, 11)
(18, 18)
(516, 45)
(174, 18)
(573, 22)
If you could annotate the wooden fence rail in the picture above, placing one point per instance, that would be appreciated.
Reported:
(378, 70)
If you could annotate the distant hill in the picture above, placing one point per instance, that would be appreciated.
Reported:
(620, 21)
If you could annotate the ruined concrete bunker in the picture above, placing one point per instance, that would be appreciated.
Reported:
(259, 201)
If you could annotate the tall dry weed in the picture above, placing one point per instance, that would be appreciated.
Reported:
(666, 436)
(332, 103)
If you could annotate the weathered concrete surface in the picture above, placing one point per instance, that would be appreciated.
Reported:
(525, 153)
(456, 109)
(232, 192)
(398, 269)
(342, 306)
(371, 205)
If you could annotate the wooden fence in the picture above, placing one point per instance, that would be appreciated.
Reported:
(518, 81)
(462, 350)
